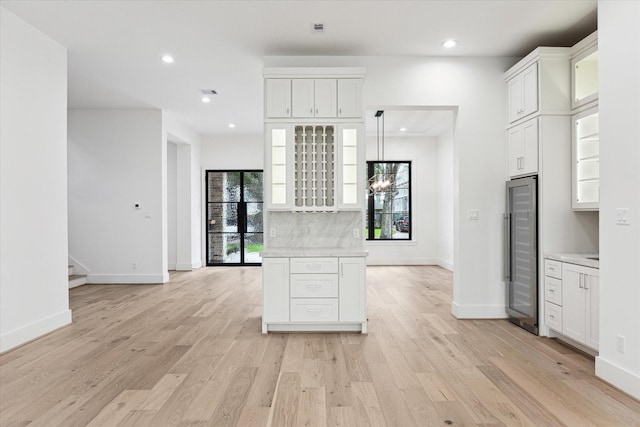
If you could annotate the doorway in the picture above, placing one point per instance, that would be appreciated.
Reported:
(234, 221)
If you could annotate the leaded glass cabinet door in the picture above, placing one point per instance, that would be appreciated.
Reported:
(234, 217)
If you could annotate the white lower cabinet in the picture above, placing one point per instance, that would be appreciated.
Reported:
(314, 294)
(580, 314)
(572, 295)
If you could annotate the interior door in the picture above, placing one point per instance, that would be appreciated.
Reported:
(234, 220)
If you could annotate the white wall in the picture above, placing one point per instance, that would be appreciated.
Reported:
(476, 86)
(172, 205)
(189, 193)
(34, 288)
(233, 152)
(619, 105)
(445, 193)
(117, 158)
(423, 247)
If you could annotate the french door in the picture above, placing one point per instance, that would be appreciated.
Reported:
(234, 220)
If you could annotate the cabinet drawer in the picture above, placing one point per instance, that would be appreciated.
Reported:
(314, 309)
(553, 268)
(553, 316)
(553, 290)
(314, 285)
(314, 265)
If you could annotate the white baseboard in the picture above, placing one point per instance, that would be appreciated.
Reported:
(171, 267)
(618, 377)
(196, 264)
(127, 278)
(34, 330)
(478, 311)
(446, 265)
(78, 267)
(183, 266)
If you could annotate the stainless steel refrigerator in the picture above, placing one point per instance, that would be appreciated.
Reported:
(521, 253)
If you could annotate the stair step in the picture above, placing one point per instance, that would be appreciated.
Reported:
(70, 270)
(77, 280)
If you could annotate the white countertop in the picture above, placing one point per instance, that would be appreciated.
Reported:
(314, 252)
(579, 259)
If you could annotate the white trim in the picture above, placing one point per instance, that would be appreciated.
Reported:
(618, 377)
(446, 265)
(34, 330)
(196, 264)
(78, 267)
(128, 278)
(183, 266)
(478, 311)
(321, 72)
(171, 266)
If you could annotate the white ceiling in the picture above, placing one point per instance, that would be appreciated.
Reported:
(114, 47)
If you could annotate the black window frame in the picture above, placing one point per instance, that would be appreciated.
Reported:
(370, 211)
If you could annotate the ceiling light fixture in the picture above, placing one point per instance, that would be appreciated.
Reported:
(232, 125)
(403, 129)
(317, 27)
(449, 44)
(206, 99)
(168, 59)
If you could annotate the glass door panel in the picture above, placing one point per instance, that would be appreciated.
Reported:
(234, 217)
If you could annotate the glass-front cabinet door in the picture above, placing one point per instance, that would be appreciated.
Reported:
(235, 217)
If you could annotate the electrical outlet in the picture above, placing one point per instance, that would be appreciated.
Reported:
(134, 265)
(620, 344)
(472, 214)
(356, 233)
(272, 232)
(622, 216)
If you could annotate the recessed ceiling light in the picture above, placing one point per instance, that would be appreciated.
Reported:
(232, 125)
(403, 129)
(449, 44)
(167, 59)
(206, 99)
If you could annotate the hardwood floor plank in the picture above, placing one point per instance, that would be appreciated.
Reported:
(191, 353)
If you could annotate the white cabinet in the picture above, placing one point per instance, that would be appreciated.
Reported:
(314, 294)
(553, 294)
(353, 292)
(314, 167)
(580, 309)
(278, 98)
(351, 165)
(586, 160)
(350, 98)
(584, 72)
(522, 146)
(314, 97)
(522, 92)
(277, 173)
(275, 291)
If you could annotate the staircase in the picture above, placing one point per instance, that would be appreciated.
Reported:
(76, 279)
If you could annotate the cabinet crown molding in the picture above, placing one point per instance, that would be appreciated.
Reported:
(314, 72)
(539, 54)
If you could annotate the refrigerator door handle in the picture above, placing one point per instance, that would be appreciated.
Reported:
(507, 247)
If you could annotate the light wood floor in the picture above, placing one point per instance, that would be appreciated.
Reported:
(190, 353)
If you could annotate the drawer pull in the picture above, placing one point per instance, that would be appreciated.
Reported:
(552, 290)
(313, 310)
(314, 286)
(552, 316)
(314, 266)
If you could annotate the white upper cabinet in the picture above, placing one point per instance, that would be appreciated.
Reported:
(351, 164)
(586, 160)
(278, 98)
(584, 72)
(523, 93)
(314, 97)
(522, 146)
(350, 98)
(278, 179)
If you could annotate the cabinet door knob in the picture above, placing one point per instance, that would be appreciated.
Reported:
(311, 110)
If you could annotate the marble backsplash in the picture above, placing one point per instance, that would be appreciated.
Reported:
(314, 230)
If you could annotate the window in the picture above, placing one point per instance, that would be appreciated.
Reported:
(389, 204)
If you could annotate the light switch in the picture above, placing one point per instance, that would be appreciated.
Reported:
(622, 216)
(272, 232)
(356, 233)
(472, 214)
(147, 214)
